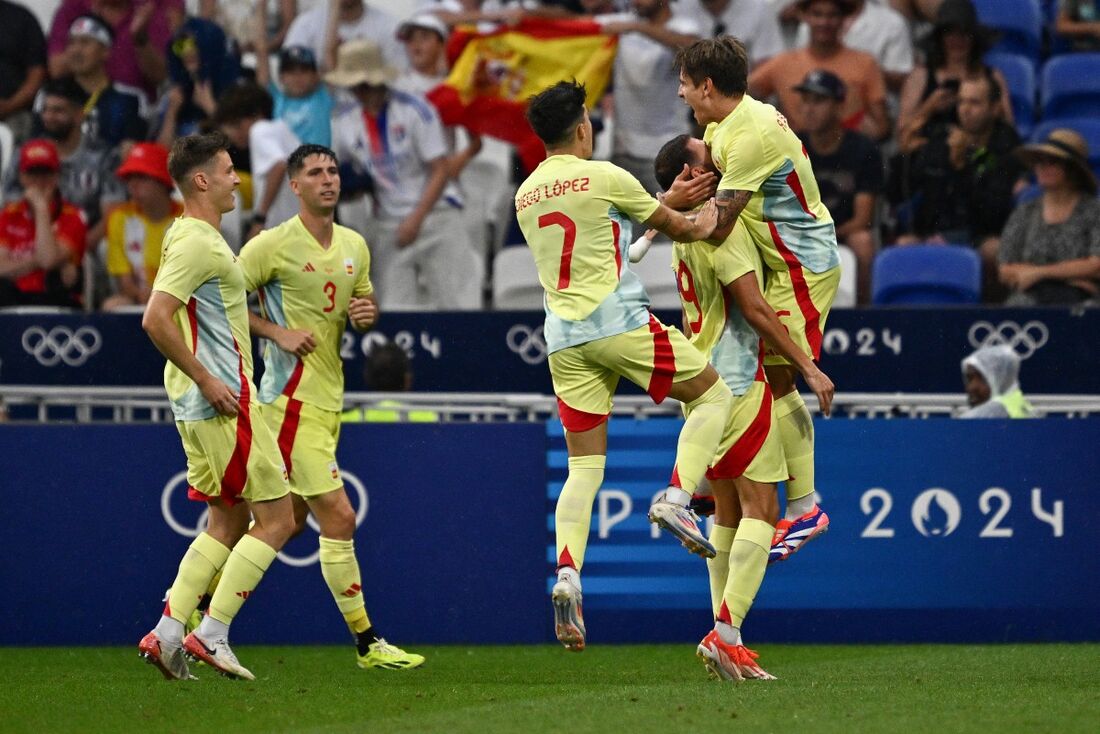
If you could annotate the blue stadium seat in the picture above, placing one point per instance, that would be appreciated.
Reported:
(1069, 86)
(1088, 127)
(1019, 74)
(926, 274)
(1020, 23)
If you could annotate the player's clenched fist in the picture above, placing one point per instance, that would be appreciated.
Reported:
(362, 313)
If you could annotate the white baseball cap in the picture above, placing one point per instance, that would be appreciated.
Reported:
(427, 21)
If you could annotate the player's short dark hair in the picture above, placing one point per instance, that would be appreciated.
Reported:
(671, 159)
(555, 112)
(67, 88)
(297, 160)
(192, 151)
(241, 101)
(387, 368)
(723, 59)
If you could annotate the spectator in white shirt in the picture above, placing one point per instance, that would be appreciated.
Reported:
(422, 257)
(645, 107)
(753, 22)
(355, 20)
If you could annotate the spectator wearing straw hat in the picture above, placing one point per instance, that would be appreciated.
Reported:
(1050, 247)
(422, 255)
(41, 235)
(135, 229)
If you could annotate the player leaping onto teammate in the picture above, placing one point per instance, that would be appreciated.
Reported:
(575, 215)
(313, 277)
(768, 187)
(724, 316)
(198, 319)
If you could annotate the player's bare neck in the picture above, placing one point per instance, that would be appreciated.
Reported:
(576, 149)
(318, 225)
(723, 106)
(200, 208)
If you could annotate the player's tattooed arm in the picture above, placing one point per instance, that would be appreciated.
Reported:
(681, 228)
(731, 202)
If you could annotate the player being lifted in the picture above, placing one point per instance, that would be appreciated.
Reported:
(768, 187)
(724, 315)
(313, 276)
(575, 215)
(198, 319)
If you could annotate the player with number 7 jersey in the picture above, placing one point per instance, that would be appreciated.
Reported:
(575, 215)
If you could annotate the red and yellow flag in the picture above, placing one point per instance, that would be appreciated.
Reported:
(494, 74)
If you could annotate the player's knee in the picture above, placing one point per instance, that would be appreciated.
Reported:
(340, 525)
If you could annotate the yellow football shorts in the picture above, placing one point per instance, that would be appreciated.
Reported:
(653, 357)
(233, 458)
(802, 301)
(750, 445)
(307, 437)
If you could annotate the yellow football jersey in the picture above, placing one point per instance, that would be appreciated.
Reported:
(755, 150)
(715, 326)
(303, 285)
(575, 215)
(198, 268)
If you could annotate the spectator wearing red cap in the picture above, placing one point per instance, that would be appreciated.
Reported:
(135, 229)
(41, 236)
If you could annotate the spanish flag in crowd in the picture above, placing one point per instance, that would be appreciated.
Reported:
(494, 74)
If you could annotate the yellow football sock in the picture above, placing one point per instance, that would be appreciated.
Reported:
(240, 575)
(698, 442)
(200, 564)
(718, 568)
(748, 560)
(796, 432)
(341, 572)
(573, 515)
(213, 585)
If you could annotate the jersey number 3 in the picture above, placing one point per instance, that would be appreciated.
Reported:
(330, 291)
(570, 238)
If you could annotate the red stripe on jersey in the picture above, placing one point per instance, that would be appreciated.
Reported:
(760, 377)
(806, 305)
(291, 417)
(796, 186)
(236, 472)
(664, 362)
(577, 421)
(735, 461)
(193, 320)
(616, 231)
(289, 430)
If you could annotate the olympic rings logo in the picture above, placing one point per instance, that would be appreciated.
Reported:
(192, 530)
(61, 344)
(1025, 340)
(528, 343)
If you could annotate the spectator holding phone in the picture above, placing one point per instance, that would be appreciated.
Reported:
(930, 95)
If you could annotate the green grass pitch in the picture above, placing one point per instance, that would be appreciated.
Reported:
(614, 689)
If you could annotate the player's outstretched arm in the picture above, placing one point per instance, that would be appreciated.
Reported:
(639, 247)
(730, 205)
(294, 341)
(159, 324)
(680, 228)
(763, 320)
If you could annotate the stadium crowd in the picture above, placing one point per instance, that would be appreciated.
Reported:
(924, 125)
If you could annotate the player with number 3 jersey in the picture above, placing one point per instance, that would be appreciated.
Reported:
(313, 277)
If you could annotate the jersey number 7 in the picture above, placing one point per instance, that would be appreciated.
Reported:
(570, 228)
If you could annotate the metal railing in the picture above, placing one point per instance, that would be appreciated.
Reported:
(43, 403)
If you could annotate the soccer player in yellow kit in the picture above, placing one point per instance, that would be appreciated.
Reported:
(575, 215)
(198, 319)
(724, 316)
(767, 186)
(313, 276)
